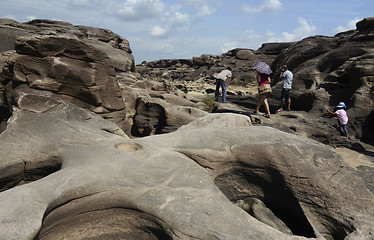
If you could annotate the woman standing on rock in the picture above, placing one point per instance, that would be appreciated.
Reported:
(262, 79)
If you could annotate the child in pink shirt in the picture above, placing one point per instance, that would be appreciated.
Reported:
(342, 118)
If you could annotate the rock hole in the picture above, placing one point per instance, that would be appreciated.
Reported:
(112, 223)
(242, 181)
(34, 174)
(5, 113)
(272, 191)
(129, 147)
(149, 119)
(31, 172)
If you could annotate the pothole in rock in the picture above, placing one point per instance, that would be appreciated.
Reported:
(112, 223)
(31, 172)
(275, 204)
(129, 147)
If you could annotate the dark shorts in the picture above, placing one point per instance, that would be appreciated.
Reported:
(286, 94)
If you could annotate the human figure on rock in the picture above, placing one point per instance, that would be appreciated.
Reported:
(342, 118)
(263, 78)
(287, 77)
(222, 80)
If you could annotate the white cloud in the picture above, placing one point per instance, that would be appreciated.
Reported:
(303, 30)
(180, 18)
(267, 5)
(203, 7)
(205, 10)
(246, 39)
(158, 31)
(94, 6)
(197, 3)
(229, 46)
(248, 36)
(79, 3)
(165, 47)
(350, 25)
(134, 10)
(270, 35)
(173, 22)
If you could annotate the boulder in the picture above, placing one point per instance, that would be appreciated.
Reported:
(115, 46)
(244, 54)
(79, 63)
(70, 68)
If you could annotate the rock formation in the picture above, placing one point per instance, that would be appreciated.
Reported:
(79, 63)
(92, 68)
(91, 149)
(327, 70)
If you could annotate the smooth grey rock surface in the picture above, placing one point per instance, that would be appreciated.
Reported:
(175, 181)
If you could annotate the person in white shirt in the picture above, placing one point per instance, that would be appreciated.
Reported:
(287, 77)
(222, 80)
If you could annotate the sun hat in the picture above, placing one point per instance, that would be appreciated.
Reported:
(341, 105)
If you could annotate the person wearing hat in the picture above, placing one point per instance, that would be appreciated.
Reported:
(342, 118)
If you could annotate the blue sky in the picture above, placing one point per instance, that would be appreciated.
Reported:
(163, 29)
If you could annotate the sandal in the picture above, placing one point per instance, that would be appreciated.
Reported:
(266, 115)
(280, 109)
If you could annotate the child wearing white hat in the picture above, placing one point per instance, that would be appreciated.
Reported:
(342, 118)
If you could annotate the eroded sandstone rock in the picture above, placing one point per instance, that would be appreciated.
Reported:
(92, 68)
(179, 184)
